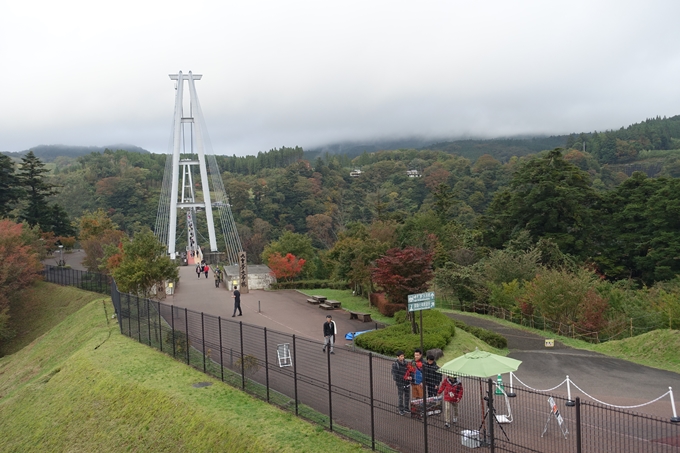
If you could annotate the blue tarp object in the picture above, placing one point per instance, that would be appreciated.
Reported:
(351, 335)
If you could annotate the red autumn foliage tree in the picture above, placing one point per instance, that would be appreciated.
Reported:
(403, 272)
(19, 268)
(285, 267)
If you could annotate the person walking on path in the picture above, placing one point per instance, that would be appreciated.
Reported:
(398, 373)
(452, 389)
(431, 376)
(218, 276)
(329, 331)
(206, 269)
(237, 301)
(199, 269)
(414, 374)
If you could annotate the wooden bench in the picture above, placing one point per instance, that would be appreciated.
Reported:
(326, 306)
(312, 301)
(365, 317)
(333, 303)
(319, 298)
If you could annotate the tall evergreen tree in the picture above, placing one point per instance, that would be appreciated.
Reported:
(32, 179)
(9, 192)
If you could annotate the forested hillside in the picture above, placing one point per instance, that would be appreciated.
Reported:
(503, 229)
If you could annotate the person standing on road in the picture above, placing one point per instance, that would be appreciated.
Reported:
(237, 301)
(414, 374)
(206, 269)
(398, 372)
(431, 376)
(199, 269)
(329, 331)
(452, 389)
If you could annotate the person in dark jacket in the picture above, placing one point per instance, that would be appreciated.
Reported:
(237, 301)
(398, 372)
(431, 376)
(329, 332)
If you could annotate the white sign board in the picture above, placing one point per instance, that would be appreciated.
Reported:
(422, 301)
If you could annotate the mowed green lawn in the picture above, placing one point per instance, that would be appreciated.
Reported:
(83, 387)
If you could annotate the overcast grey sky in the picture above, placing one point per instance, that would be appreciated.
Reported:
(309, 73)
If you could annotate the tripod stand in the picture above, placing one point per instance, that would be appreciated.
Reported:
(483, 424)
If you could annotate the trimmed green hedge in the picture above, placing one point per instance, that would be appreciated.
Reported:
(438, 329)
(310, 284)
(491, 338)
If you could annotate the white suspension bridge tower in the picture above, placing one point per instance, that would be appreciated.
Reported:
(191, 149)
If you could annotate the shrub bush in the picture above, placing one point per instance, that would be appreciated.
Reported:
(491, 338)
(438, 329)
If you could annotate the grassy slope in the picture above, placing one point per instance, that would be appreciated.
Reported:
(37, 309)
(84, 387)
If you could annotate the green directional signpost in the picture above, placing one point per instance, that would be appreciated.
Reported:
(420, 302)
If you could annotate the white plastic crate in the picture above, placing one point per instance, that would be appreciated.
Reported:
(470, 438)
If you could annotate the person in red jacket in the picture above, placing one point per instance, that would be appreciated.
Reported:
(452, 389)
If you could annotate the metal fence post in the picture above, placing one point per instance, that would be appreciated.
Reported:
(203, 339)
(330, 390)
(129, 334)
(370, 384)
(186, 331)
(491, 417)
(266, 363)
(243, 362)
(148, 320)
(139, 322)
(219, 327)
(172, 319)
(295, 376)
(578, 424)
(160, 326)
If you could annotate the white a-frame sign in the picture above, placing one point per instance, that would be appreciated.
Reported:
(554, 412)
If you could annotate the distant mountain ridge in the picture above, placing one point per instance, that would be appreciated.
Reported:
(48, 153)
(500, 148)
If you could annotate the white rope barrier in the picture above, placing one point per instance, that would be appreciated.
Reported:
(621, 407)
(570, 382)
(537, 390)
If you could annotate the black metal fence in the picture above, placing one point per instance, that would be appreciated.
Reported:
(353, 394)
(90, 281)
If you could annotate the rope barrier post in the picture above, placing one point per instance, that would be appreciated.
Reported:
(570, 402)
(674, 418)
(511, 393)
(258, 307)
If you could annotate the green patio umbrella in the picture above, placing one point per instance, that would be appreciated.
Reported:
(481, 364)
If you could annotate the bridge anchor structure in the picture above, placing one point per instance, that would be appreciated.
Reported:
(192, 164)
